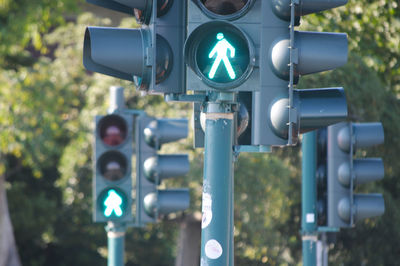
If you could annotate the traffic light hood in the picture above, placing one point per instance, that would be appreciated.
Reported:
(282, 7)
(317, 52)
(116, 52)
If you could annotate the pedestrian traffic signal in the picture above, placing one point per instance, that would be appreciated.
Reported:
(251, 47)
(112, 182)
(152, 168)
(219, 50)
(150, 56)
(345, 207)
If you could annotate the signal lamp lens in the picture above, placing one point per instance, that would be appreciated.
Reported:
(113, 165)
(113, 203)
(113, 130)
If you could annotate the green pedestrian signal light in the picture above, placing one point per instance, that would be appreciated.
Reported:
(112, 203)
(220, 54)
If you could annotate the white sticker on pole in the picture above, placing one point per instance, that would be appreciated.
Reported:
(310, 218)
(213, 249)
(206, 210)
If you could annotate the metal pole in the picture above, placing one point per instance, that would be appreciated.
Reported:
(117, 100)
(309, 198)
(116, 231)
(217, 204)
(115, 237)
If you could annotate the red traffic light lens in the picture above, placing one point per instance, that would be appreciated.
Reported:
(113, 130)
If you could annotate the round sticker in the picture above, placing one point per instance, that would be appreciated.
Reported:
(213, 249)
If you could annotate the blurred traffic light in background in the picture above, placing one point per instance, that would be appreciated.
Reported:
(345, 173)
(112, 182)
(152, 168)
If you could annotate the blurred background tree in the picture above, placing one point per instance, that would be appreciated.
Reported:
(48, 103)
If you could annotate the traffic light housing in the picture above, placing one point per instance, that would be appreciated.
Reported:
(152, 168)
(151, 56)
(345, 207)
(112, 182)
(267, 58)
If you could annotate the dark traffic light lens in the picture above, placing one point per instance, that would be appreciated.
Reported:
(223, 55)
(113, 165)
(224, 7)
(112, 130)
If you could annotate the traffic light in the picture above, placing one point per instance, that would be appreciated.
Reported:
(221, 46)
(251, 47)
(152, 168)
(112, 182)
(150, 56)
(321, 177)
(345, 207)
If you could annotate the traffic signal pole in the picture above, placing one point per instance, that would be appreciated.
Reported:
(115, 240)
(115, 230)
(217, 206)
(309, 199)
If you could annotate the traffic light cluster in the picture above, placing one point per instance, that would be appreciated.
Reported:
(115, 135)
(251, 47)
(339, 174)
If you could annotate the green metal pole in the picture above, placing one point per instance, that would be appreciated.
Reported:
(217, 204)
(309, 199)
(115, 237)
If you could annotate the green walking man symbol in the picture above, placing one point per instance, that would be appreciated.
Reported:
(113, 203)
(221, 51)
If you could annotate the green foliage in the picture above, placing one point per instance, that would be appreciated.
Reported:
(23, 23)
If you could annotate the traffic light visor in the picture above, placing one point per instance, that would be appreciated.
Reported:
(117, 52)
